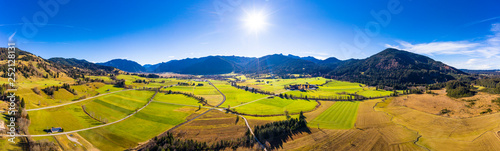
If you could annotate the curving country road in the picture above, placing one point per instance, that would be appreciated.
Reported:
(64, 133)
(73, 102)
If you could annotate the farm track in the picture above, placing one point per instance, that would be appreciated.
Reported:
(73, 102)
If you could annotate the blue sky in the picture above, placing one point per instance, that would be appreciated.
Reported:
(464, 34)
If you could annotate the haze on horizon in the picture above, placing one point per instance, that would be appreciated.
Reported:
(153, 32)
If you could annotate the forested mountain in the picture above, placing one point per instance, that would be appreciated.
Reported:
(331, 60)
(202, 66)
(81, 63)
(280, 64)
(238, 60)
(488, 72)
(308, 58)
(275, 64)
(125, 65)
(211, 65)
(29, 65)
(394, 67)
(151, 67)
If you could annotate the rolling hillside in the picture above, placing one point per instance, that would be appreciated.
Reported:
(29, 65)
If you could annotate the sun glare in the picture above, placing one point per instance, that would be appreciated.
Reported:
(255, 21)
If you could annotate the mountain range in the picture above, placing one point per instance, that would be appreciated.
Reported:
(390, 67)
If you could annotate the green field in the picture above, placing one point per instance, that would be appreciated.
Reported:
(276, 105)
(151, 121)
(105, 78)
(235, 96)
(108, 88)
(341, 115)
(206, 91)
(337, 88)
(69, 117)
(118, 105)
(176, 99)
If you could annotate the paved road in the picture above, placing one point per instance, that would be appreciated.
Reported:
(73, 102)
(64, 133)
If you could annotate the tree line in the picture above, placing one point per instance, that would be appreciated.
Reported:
(51, 89)
(492, 85)
(253, 90)
(198, 98)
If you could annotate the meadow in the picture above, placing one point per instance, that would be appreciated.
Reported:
(176, 99)
(206, 91)
(69, 117)
(341, 115)
(338, 88)
(276, 105)
(235, 96)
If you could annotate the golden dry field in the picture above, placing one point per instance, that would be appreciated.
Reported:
(460, 108)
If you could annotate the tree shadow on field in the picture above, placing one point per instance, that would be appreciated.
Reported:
(277, 141)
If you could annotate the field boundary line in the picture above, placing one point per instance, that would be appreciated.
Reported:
(258, 99)
(85, 111)
(250, 102)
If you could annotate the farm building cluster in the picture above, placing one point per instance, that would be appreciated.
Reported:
(302, 87)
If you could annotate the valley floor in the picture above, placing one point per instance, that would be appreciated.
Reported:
(128, 119)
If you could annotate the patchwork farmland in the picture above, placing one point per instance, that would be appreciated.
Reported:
(109, 117)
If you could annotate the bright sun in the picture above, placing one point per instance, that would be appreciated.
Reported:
(255, 21)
